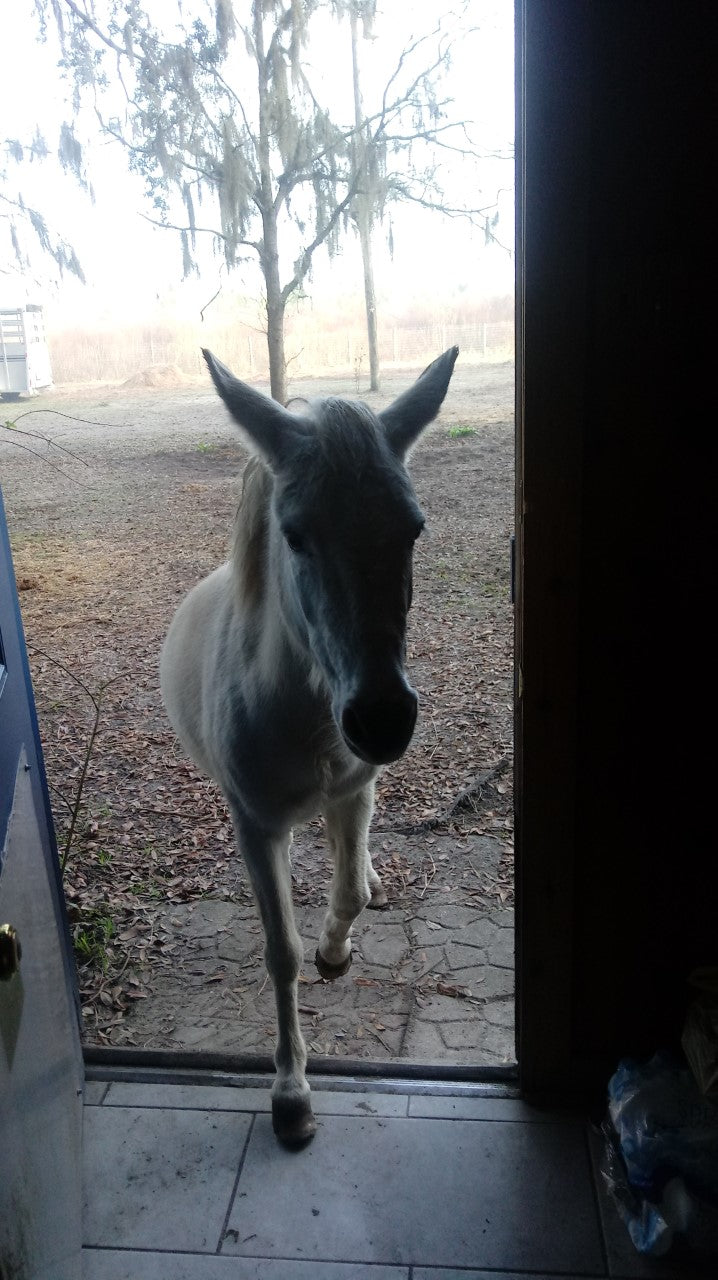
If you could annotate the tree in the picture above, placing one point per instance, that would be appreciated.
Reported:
(363, 201)
(223, 115)
(377, 183)
(25, 226)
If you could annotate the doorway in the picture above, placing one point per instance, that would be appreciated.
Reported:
(168, 946)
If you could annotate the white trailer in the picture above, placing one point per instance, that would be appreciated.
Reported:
(24, 357)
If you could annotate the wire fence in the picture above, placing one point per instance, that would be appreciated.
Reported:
(312, 350)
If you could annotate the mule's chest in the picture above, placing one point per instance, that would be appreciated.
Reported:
(286, 764)
(339, 772)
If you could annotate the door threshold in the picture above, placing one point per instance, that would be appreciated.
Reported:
(172, 1066)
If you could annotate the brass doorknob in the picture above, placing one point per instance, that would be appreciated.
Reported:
(10, 952)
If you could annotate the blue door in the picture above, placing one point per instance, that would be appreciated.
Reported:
(40, 1054)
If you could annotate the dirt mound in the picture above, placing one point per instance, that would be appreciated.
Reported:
(158, 375)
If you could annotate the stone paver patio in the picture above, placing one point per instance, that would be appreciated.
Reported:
(432, 980)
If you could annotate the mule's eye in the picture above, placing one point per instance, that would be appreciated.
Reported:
(294, 541)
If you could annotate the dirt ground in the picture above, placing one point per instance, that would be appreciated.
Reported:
(111, 523)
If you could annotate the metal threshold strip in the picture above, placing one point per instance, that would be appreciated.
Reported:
(182, 1066)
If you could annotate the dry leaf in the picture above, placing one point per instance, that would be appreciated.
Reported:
(448, 989)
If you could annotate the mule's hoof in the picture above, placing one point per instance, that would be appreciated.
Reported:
(331, 971)
(379, 899)
(293, 1121)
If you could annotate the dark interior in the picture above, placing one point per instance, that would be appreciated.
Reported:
(618, 887)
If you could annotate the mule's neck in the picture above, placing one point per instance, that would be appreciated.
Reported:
(261, 568)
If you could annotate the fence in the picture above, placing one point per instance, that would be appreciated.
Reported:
(85, 356)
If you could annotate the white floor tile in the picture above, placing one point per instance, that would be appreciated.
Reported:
(427, 1192)
(159, 1179)
(121, 1265)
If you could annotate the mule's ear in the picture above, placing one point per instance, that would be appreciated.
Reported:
(417, 407)
(271, 429)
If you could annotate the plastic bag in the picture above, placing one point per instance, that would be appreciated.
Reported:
(661, 1155)
(700, 1033)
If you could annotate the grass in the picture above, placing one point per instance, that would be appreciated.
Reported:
(92, 936)
(458, 433)
(146, 888)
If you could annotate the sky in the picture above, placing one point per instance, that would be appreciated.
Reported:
(131, 266)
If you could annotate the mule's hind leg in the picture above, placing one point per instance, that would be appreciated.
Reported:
(354, 883)
(267, 860)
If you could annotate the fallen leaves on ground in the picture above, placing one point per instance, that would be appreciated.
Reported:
(100, 579)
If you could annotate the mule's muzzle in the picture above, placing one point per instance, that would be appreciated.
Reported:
(378, 730)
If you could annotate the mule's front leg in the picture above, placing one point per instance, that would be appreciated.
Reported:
(267, 860)
(354, 883)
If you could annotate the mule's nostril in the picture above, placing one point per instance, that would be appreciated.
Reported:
(380, 730)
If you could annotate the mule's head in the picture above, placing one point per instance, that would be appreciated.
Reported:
(345, 522)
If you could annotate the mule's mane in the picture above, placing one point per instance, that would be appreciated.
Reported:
(249, 548)
(346, 432)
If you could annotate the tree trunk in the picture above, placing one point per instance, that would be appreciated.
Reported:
(369, 295)
(269, 251)
(362, 207)
(275, 307)
(275, 348)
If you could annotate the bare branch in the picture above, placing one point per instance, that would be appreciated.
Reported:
(319, 239)
(210, 231)
(91, 25)
(37, 435)
(96, 701)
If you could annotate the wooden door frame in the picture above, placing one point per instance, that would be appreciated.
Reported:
(552, 192)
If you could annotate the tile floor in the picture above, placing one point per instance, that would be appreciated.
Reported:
(185, 1181)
